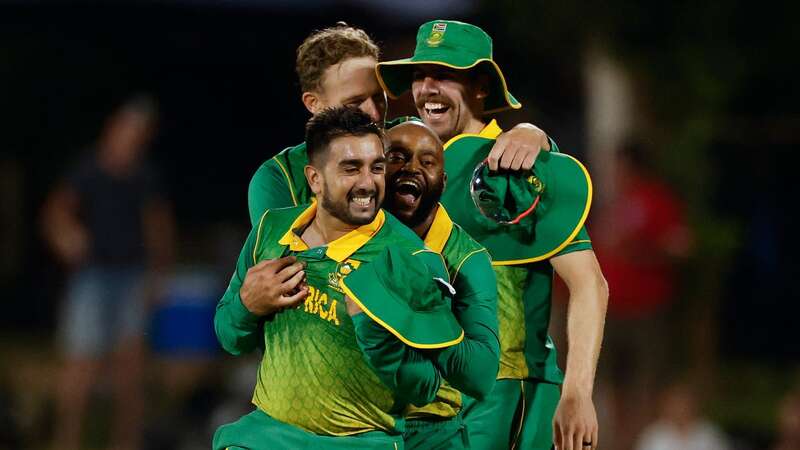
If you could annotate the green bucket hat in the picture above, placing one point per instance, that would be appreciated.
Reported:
(400, 293)
(453, 44)
(519, 217)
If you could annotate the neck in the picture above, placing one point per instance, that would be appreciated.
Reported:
(327, 228)
(425, 226)
(474, 126)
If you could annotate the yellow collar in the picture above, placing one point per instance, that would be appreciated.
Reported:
(490, 131)
(439, 232)
(340, 249)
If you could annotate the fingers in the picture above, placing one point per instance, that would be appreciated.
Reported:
(519, 157)
(557, 438)
(529, 160)
(511, 151)
(290, 284)
(498, 149)
(595, 437)
(278, 263)
(289, 271)
(290, 301)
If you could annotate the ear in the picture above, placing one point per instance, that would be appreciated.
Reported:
(312, 101)
(314, 178)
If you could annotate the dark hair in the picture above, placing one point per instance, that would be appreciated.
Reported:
(331, 123)
(328, 47)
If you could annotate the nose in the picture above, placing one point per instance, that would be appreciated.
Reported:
(365, 181)
(430, 85)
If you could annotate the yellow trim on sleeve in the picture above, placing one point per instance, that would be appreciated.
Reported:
(458, 268)
(288, 180)
(571, 236)
(397, 334)
(258, 236)
(490, 131)
(440, 230)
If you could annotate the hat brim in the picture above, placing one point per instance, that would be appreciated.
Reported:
(437, 328)
(395, 78)
(557, 219)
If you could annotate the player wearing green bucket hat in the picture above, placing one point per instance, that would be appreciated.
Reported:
(335, 67)
(455, 84)
(314, 387)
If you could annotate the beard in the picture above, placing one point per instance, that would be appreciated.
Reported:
(340, 209)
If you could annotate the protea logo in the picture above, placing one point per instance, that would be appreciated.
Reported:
(437, 34)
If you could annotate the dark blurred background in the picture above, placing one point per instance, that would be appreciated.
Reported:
(701, 98)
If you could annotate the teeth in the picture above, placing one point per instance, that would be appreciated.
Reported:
(407, 183)
(432, 105)
(362, 201)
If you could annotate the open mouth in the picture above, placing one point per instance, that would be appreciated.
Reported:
(435, 110)
(408, 191)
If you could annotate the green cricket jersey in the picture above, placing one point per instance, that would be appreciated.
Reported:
(524, 290)
(471, 365)
(281, 182)
(313, 374)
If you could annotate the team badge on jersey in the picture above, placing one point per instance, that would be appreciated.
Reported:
(437, 34)
(343, 269)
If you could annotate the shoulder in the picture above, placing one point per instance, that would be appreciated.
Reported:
(460, 248)
(395, 232)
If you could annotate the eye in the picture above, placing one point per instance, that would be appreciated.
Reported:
(379, 168)
(395, 157)
(350, 170)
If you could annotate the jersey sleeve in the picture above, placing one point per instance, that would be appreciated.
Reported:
(238, 330)
(410, 375)
(471, 366)
(269, 189)
(580, 242)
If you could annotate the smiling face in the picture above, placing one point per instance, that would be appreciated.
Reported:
(415, 177)
(350, 182)
(449, 101)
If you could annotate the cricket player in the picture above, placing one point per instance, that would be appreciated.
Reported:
(327, 379)
(336, 67)
(415, 180)
(456, 85)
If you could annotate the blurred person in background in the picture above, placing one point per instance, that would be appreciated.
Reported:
(680, 425)
(110, 224)
(640, 236)
(789, 423)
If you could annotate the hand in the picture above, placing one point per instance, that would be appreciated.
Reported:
(518, 148)
(274, 285)
(575, 423)
(352, 307)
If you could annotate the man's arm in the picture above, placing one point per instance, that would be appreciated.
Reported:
(61, 228)
(575, 419)
(255, 292)
(410, 375)
(269, 189)
(517, 148)
(471, 366)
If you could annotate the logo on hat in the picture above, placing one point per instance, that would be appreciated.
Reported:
(437, 34)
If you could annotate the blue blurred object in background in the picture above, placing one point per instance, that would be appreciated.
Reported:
(183, 321)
